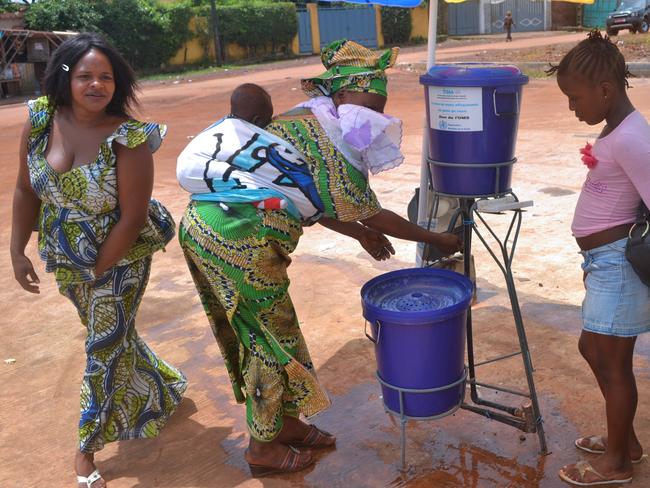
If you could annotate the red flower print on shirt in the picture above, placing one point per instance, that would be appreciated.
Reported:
(587, 157)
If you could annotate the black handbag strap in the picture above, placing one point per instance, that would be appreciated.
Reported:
(642, 223)
(642, 216)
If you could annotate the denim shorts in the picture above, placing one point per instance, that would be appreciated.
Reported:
(617, 303)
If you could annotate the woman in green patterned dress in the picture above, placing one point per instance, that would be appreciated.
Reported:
(238, 256)
(86, 177)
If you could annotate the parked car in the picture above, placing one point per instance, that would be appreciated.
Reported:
(630, 14)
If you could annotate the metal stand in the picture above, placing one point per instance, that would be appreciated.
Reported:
(403, 418)
(527, 418)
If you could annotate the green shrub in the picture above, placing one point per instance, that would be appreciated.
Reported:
(74, 15)
(253, 25)
(418, 40)
(396, 24)
(8, 6)
(146, 33)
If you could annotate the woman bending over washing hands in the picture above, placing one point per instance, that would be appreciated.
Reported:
(316, 159)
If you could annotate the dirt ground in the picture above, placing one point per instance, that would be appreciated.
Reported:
(204, 443)
(636, 49)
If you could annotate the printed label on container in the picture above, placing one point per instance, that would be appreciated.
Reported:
(456, 109)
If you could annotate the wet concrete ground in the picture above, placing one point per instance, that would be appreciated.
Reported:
(204, 443)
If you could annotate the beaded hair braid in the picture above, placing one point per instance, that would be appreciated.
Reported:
(597, 59)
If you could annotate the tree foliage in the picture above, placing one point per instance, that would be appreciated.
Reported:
(75, 15)
(146, 33)
(253, 24)
(8, 6)
(149, 33)
(258, 25)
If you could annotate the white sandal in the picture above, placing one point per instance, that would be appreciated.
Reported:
(92, 477)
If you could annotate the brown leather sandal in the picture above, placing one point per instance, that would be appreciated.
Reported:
(290, 464)
(316, 438)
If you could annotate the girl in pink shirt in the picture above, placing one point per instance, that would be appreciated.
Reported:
(616, 308)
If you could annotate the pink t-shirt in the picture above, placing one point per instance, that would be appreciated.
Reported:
(614, 187)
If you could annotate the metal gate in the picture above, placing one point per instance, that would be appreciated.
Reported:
(595, 15)
(527, 14)
(463, 18)
(356, 24)
(304, 32)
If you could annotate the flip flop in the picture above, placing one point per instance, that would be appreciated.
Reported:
(595, 444)
(90, 479)
(290, 464)
(584, 467)
(316, 438)
(598, 446)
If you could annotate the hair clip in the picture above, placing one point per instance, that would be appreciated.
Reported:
(65, 67)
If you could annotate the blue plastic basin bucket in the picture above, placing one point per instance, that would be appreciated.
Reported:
(417, 319)
(473, 114)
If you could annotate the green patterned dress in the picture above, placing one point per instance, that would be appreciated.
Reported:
(238, 256)
(127, 391)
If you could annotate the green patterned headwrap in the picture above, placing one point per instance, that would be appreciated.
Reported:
(352, 67)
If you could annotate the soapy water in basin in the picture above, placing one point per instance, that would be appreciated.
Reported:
(416, 294)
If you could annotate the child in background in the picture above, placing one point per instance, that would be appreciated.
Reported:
(616, 308)
(508, 24)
